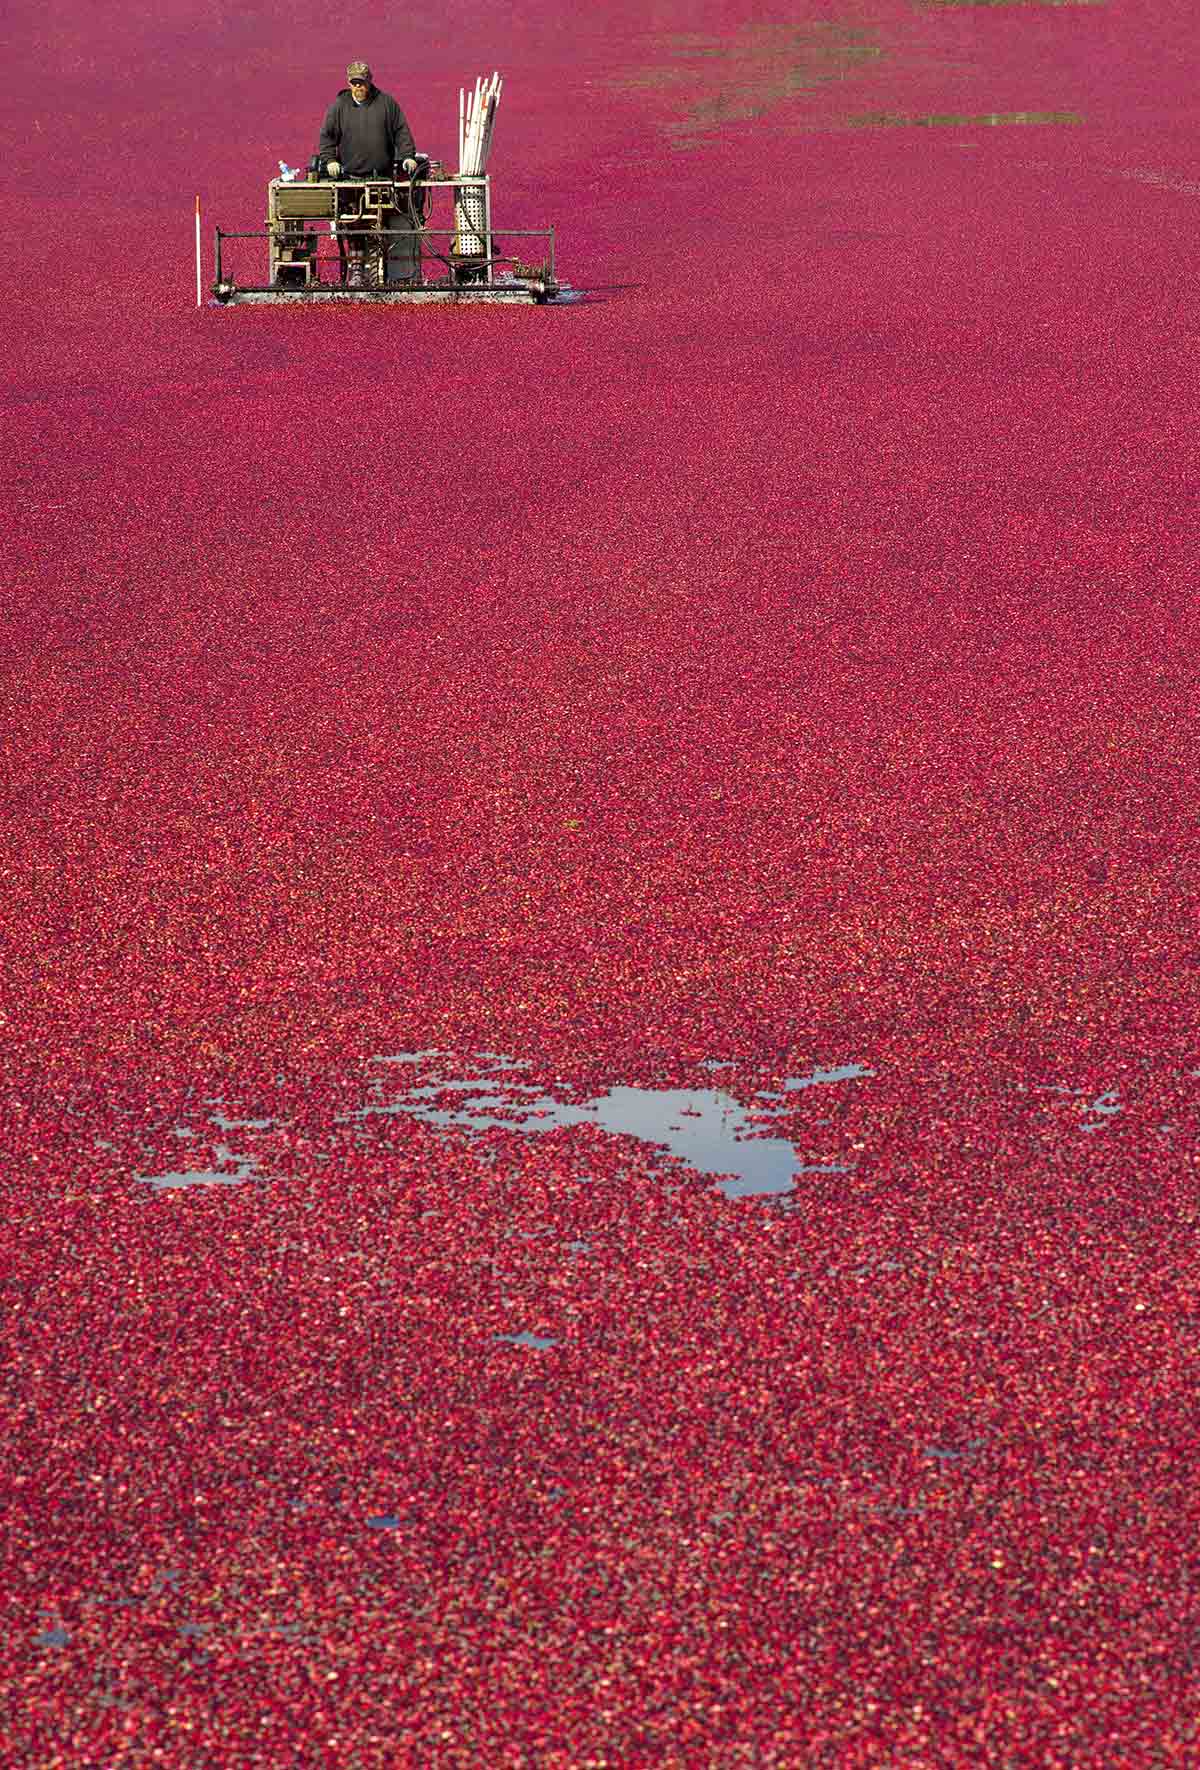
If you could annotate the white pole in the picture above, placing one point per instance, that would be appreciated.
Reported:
(477, 107)
(199, 301)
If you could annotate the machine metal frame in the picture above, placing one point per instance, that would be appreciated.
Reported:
(366, 220)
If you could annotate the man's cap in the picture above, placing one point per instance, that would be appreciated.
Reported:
(358, 70)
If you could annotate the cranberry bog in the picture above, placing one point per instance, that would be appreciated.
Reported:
(600, 1063)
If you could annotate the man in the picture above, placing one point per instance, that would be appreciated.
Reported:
(366, 135)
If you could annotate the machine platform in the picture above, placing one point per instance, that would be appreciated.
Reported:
(370, 240)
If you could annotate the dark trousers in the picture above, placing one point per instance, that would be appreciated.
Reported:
(403, 252)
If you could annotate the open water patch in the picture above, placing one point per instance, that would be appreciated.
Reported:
(957, 5)
(705, 1128)
(761, 1145)
(959, 119)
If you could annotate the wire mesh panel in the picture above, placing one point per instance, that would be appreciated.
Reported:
(470, 218)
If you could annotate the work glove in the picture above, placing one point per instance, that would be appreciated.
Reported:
(334, 168)
(410, 166)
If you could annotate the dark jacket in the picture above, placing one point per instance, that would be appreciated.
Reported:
(367, 139)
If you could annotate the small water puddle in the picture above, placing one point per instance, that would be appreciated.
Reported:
(243, 1168)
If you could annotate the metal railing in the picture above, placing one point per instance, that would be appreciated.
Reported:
(300, 257)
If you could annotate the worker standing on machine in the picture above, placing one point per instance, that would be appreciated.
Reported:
(366, 135)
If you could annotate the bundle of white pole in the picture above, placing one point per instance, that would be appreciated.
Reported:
(476, 120)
